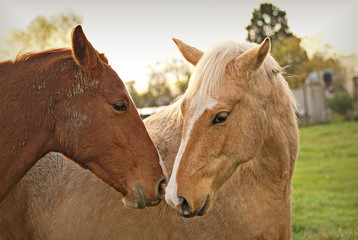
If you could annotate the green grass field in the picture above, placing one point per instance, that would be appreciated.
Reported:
(325, 183)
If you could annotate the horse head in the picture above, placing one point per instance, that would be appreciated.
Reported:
(102, 130)
(224, 121)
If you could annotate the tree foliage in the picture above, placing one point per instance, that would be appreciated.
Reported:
(270, 21)
(267, 21)
(289, 54)
(167, 80)
(341, 103)
(136, 97)
(41, 33)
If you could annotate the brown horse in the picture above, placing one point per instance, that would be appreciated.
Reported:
(248, 146)
(71, 101)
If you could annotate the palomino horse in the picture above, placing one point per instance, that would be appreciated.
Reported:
(236, 118)
(71, 101)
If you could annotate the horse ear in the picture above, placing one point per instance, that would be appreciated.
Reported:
(103, 58)
(83, 52)
(191, 54)
(252, 59)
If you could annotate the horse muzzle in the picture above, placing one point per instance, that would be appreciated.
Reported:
(139, 197)
(187, 211)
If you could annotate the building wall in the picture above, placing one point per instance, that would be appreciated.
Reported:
(311, 104)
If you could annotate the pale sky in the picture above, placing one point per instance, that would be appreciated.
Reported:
(136, 33)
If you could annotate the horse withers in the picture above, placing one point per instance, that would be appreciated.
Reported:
(71, 101)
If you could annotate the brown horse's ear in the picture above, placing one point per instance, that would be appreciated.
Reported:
(103, 58)
(252, 59)
(191, 54)
(83, 52)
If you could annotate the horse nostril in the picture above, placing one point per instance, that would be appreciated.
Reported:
(184, 206)
(162, 183)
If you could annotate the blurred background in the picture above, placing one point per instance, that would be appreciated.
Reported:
(314, 41)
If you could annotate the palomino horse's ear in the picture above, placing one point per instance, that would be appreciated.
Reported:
(191, 54)
(252, 59)
(83, 52)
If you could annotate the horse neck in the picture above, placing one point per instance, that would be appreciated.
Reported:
(27, 127)
(273, 167)
(165, 129)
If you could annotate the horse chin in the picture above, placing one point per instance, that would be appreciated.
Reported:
(134, 204)
(138, 200)
(134, 199)
(206, 207)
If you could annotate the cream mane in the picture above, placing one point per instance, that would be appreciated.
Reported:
(210, 70)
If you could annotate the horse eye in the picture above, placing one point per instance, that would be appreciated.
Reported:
(119, 106)
(220, 117)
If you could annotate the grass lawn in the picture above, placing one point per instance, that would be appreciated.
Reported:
(325, 183)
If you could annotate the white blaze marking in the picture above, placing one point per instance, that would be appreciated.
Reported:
(161, 163)
(198, 107)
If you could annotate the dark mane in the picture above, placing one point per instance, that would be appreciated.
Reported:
(42, 55)
(31, 59)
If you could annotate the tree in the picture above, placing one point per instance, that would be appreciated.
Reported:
(289, 54)
(180, 72)
(167, 80)
(268, 21)
(41, 33)
(159, 92)
(341, 103)
(133, 92)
